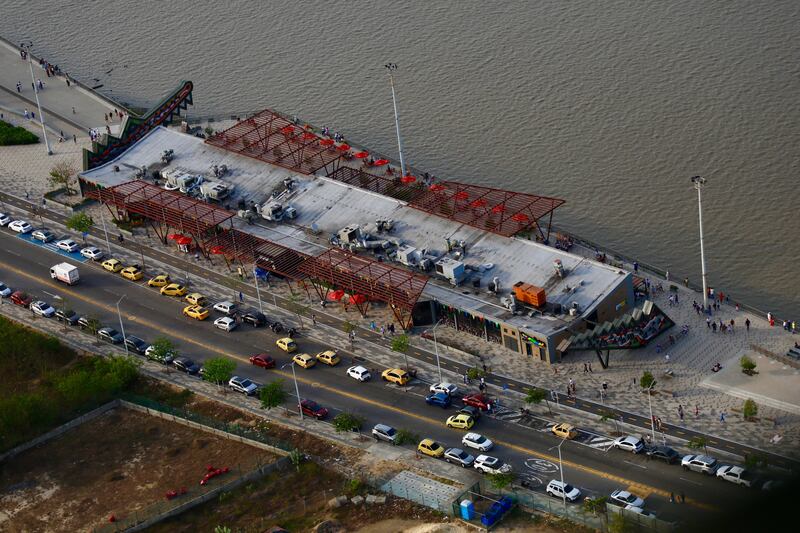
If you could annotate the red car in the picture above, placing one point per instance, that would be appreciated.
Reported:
(481, 401)
(21, 298)
(312, 408)
(263, 360)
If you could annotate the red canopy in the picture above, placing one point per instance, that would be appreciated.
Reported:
(174, 236)
(436, 187)
(343, 147)
(286, 130)
(380, 162)
(499, 208)
(184, 240)
(407, 179)
(480, 202)
(326, 142)
(358, 299)
(520, 217)
(336, 295)
(361, 155)
(217, 250)
(461, 195)
(307, 136)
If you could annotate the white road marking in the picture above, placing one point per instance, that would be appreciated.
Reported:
(634, 464)
(692, 481)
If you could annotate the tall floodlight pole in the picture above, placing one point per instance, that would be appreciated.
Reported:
(391, 67)
(436, 347)
(699, 182)
(121, 327)
(296, 388)
(38, 105)
(258, 292)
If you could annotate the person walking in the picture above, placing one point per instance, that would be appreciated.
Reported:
(747, 324)
(585, 368)
(671, 497)
(590, 368)
(683, 497)
(722, 416)
(696, 411)
(313, 319)
(680, 412)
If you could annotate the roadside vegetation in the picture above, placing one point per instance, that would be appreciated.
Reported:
(13, 135)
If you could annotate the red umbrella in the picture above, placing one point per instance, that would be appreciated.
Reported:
(217, 250)
(461, 195)
(499, 208)
(361, 155)
(336, 295)
(184, 240)
(380, 162)
(480, 202)
(286, 130)
(358, 299)
(174, 236)
(326, 142)
(343, 147)
(408, 179)
(307, 136)
(520, 217)
(436, 187)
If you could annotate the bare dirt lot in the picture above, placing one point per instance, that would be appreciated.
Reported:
(117, 464)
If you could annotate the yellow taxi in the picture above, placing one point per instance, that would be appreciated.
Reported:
(159, 281)
(460, 421)
(195, 311)
(329, 357)
(395, 375)
(304, 360)
(133, 273)
(431, 448)
(112, 265)
(286, 344)
(173, 289)
(196, 298)
(565, 431)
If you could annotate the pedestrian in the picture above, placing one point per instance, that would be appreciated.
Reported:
(636, 266)
(590, 368)
(634, 381)
(197, 256)
(714, 327)
(696, 411)
(73, 110)
(484, 369)
(74, 139)
(686, 282)
(488, 408)
(26, 113)
(372, 325)
(466, 378)
(313, 319)
(19, 87)
(241, 296)
(671, 497)
(747, 324)
(680, 412)
(120, 238)
(483, 382)
(737, 306)
(27, 195)
(666, 358)
(585, 368)
(666, 276)
(33, 115)
(722, 416)
(383, 332)
(732, 324)
(605, 385)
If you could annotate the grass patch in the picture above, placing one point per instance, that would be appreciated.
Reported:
(14, 135)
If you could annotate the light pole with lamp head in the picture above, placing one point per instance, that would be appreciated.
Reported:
(391, 67)
(561, 470)
(436, 349)
(258, 292)
(699, 182)
(38, 104)
(650, 403)
(296, 388)
(121, 327)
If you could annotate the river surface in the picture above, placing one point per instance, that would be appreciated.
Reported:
(612, 106)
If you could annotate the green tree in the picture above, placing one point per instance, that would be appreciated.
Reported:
(272, 394)
(93, 325)
(535, 396)
(749, 409)
(501, 480)
(620, 523)
(162, 348)
(80, 222)
(209, 131)
(605, 416)
(218, 370)
(748, 365)
(62, 174)
(400, 345)
(647, 380)
(697, 443)
(347, 422)
(475, 373)
(406, 436)
(754, 460)
(595, 505)
(296, 457)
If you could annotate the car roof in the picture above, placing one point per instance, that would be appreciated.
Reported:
(359, 368)
(383, 427)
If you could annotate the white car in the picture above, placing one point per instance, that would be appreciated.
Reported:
(640, 511)
(560, 490)
(68, 245)
(227, 308)
(20, 226)
(491, 465)
(477, 441)
(735, 474)
(5, 291)
(623, 498)
(92, 252)
(629, 444)
(5, 220)
(359, 373)
(42, 309)
(243, 385)
(444, 387)
(225, 323)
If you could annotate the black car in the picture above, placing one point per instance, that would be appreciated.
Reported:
(474, 412)
(255, 318)
(110, 335)
(135, 344)
(69, 316)
(665, 453)
(184, 364)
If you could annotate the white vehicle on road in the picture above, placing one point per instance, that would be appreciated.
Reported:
(359, 373)
(477, 441)
(491, 465)
(92, 252)
(67, 245)
(42, 309)
(65, 273)
(5, 220)
(629, 444)
(735, 474)
(557, 489)
(624, 498)
(5, 291)
(20, 226)
(225, 323)
(444, 387)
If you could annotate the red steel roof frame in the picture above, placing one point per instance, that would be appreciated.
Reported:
(478, 207)
(169, 208)
(272, 138)
(361, 275)
(269, 255)
(384, 185)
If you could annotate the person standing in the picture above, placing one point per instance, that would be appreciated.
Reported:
(747, 324)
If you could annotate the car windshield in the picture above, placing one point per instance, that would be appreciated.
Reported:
(568, 488)
(630, 498)
(479, 439)
(245, 383)
(390, 431)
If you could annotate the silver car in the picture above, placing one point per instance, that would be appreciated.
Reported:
(700, 463)
(459, 457)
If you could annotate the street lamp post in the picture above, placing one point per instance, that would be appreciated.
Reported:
(296, 388)
(650, 403)
(38, 104)
(121, 327)
(561, 469)
(699, 182)
(108, 243)
(391, 67)
(258, 292)
(436, 349)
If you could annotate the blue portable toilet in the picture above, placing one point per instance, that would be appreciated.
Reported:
(467, 510)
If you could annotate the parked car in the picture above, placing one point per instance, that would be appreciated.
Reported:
(565, 431)
(196, 312)
(481, 401)
(173, 289)
(396, 376)
(226, 308)
(67, 245)
(5, 220)
(459, 457)
(196, 298)
(86, 322)
(92, 252)
(491, 465)
(629, 444)
(384, 433)
(42, 309)
(184, 364)
(135, 344)
(329, 357)
(664, 453)
(225, 323)
(243, 385)
(21, 298)
(443, 387)
(163, 358)
(312, 408)
(558, 489)
(359, 373)
(700, 463)
(5, 291)
(43, 235)
(430, 448)
(67, 315)
(624, 498)
(110, 335)
(736, 474)
(477, 441)
(20, 226)
(255, 318)
(474, 412)
(161, 280)
(133, 272)
(112, 265)
(440, 398)
(263, 360)
(460, 421)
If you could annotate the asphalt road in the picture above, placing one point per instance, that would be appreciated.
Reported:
(531, 451)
